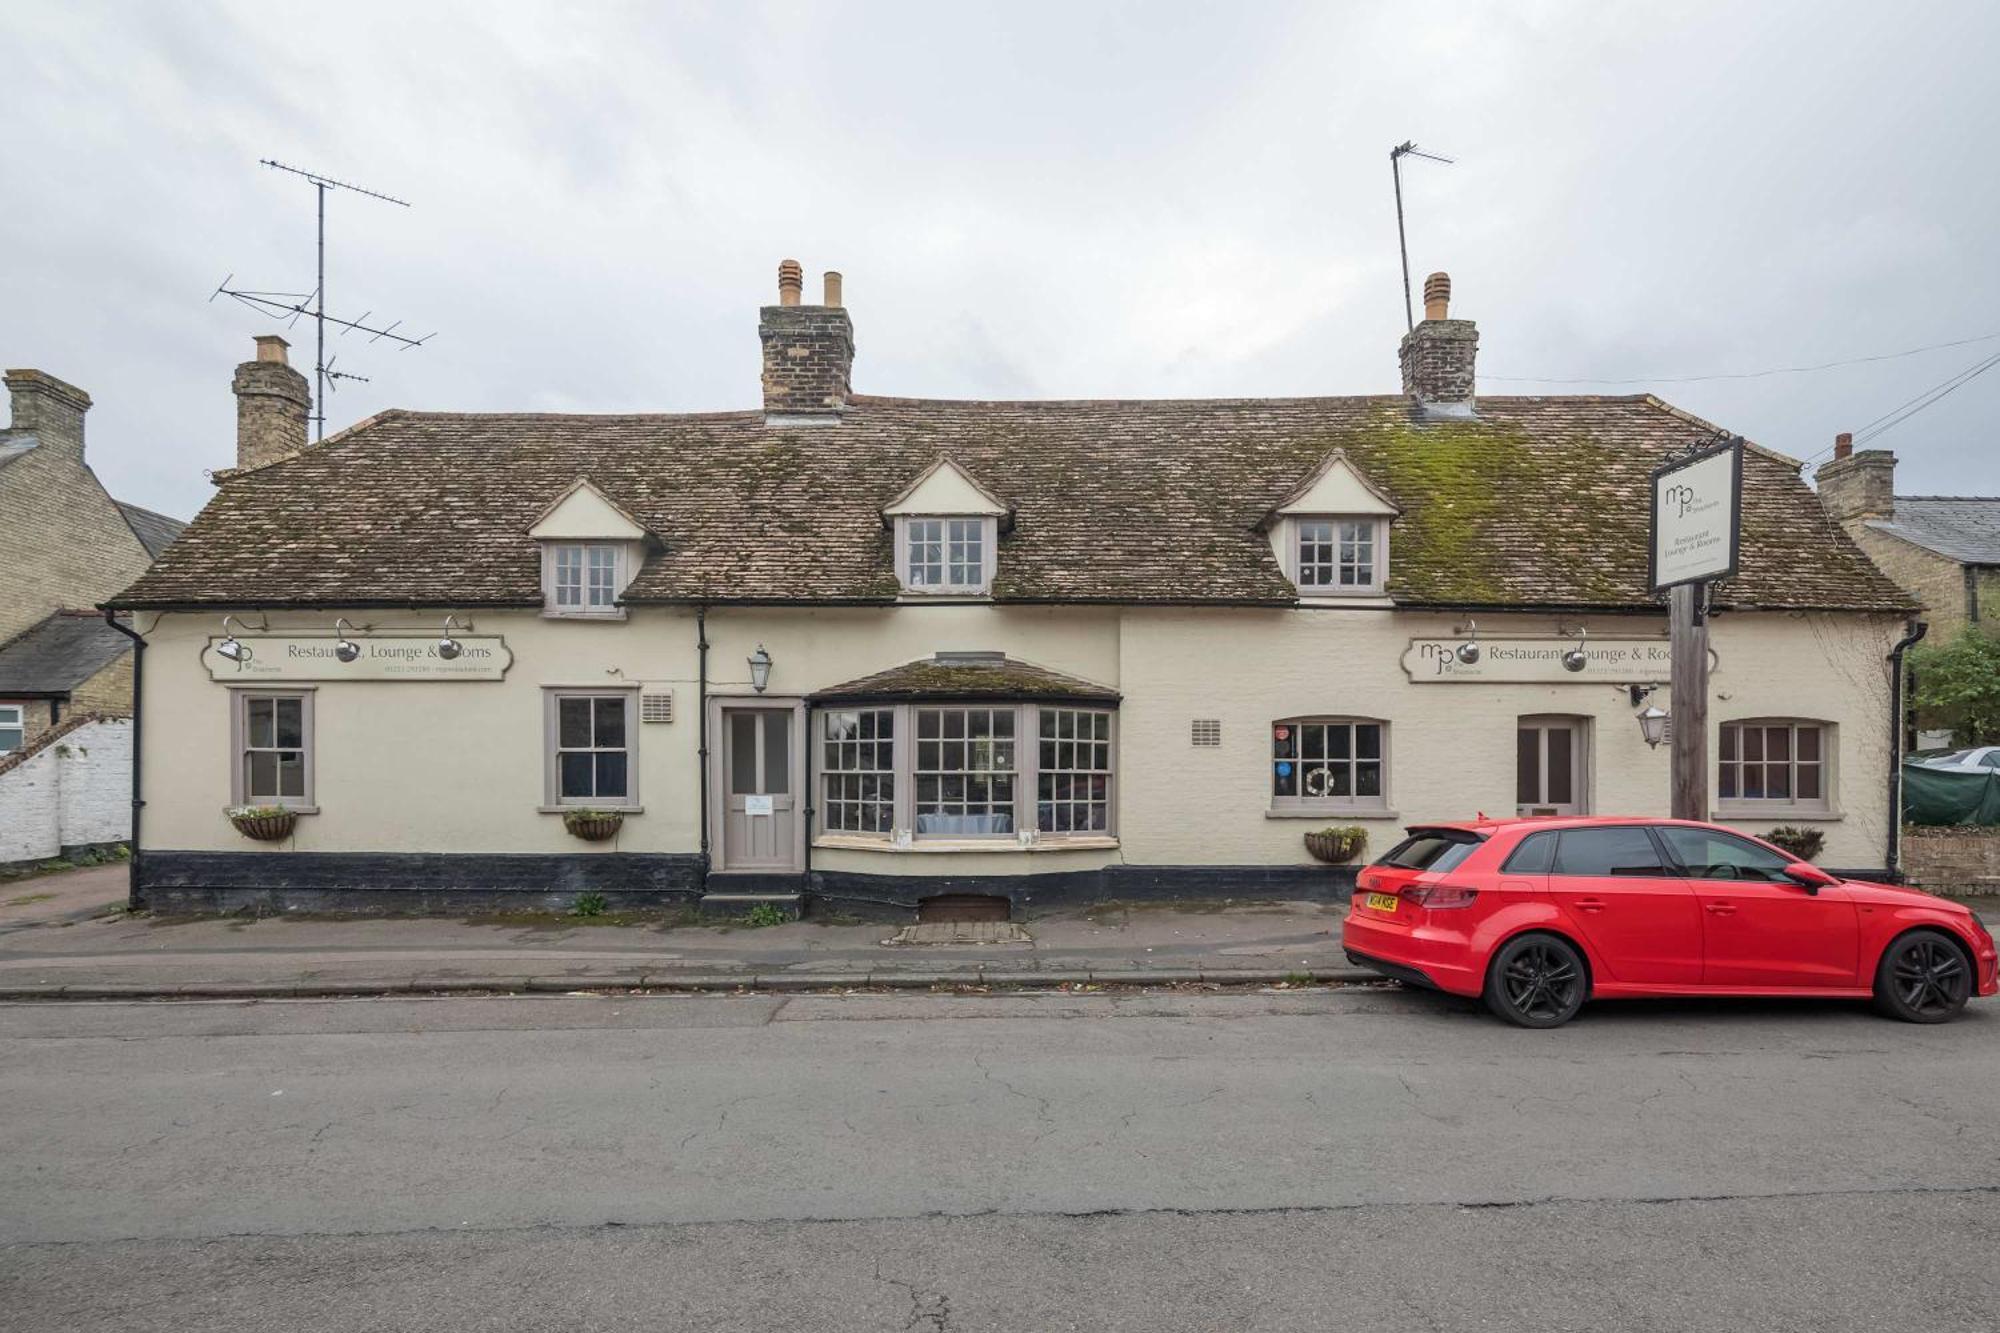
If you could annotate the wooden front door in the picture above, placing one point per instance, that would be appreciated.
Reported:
(759, 820)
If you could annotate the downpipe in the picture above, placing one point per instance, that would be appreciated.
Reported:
(138, 742)
(1914, 632)
(701, 730)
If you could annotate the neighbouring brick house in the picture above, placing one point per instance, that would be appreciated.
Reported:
(1943, 549)
(65, 546)
(872, 650)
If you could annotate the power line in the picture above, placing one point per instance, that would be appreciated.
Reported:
(1903, 411)
(1744, 374)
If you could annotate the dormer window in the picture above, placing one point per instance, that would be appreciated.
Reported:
(947, 533)
(1331, 533)
(1339, 555)
(583, 578)
(591, 549)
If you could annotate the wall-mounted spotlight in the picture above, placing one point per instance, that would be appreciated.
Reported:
(760, 669)
(1576, 659)
(344, 648)
(232, 647)
(1468, 652)
(449, 647)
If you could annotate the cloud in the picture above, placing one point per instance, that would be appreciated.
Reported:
(1027, 199)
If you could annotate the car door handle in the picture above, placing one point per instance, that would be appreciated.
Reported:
(1590, 904)
(1722, 909)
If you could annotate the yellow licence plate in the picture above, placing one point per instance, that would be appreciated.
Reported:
(1382, 902)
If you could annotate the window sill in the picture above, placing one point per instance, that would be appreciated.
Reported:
(551, 614)
(280, 805)
(971, 595)
(856, 843)
(1777, 813)
(1325, 815)
(607, 809)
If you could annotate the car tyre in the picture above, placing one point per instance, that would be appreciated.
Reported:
(1923, 977)
(1537, 981)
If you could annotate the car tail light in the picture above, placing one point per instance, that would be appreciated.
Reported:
(1438, 897)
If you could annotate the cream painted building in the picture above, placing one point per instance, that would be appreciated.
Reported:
(868, 651)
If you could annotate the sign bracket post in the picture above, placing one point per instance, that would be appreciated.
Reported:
(1688, 635)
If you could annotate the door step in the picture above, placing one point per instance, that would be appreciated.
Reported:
(735, 905)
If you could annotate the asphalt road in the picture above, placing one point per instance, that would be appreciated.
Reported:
(1366, 1160)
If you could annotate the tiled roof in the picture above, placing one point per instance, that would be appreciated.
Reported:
(1539, 502)
(1965, 528)
(59, 654)
(971, 676)
(155, 532)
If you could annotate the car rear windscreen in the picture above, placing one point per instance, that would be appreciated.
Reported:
(1430, 849)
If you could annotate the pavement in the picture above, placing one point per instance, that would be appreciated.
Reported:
(67, 935)
(1241, 1160)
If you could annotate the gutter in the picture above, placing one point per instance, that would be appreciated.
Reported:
(1915, 631)
(138, 747)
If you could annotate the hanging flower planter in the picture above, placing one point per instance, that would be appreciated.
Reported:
(593, 825)
(1337, 845)
(1804, 843)
(265, 823)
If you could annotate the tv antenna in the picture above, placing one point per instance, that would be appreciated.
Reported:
(1407, 148)
(312, 305)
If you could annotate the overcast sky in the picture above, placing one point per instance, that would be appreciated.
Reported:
(1028, 200)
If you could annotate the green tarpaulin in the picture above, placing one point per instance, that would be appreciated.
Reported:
(1945, 796)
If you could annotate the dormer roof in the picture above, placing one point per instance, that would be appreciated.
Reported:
(585, 513)
(1336, 486)
(945, 488)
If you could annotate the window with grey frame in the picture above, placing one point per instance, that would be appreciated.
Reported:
(1331, 764)
(944, 554)
(1777, 763)
(964, 771)
(591, 744)
(1337, 554)
(13, 727)
(858, 770)
(274, 740)
(583, 578)
(1073, 771)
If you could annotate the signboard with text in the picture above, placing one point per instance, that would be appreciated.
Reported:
(1697, 517)
(283, 657)
(1539, 662)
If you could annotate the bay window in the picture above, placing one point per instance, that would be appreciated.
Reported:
(1005, 771)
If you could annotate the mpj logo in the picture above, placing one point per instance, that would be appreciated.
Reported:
(1681, 495)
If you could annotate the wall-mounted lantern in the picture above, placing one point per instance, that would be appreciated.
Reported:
(760, 669)
(1653, 725)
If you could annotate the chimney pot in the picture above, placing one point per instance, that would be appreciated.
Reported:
(272, 404)
(1843, 445)
(791, 281)
(1437, 296)
(808, 354)
(832, 288)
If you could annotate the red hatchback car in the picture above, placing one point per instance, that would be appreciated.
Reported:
(1535, 916)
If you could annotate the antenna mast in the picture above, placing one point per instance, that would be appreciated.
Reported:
(296, 304)
(1407, 148)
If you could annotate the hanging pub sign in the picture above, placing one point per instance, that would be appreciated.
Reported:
(244, 659)
(1557, 661)
(1697, 516)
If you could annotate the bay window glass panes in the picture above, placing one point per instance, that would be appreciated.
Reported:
(1073, 775)
(593, 756)
(964, 771)
(1331, 764)
(274, 749)
(857, 768)
(1779, 762)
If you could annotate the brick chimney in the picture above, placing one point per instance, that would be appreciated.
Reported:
(1857, 485)
(808, 353)
(272, 403)
(1437, 355)
(50, 410)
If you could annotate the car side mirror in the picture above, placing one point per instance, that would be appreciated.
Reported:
(1809, 877)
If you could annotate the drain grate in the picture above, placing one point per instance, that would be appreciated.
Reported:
(962, 932)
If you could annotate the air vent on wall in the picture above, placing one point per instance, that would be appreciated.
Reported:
(1207, 731)
(656, 707)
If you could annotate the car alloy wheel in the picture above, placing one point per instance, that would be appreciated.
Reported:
(1536, 981)
(1923, 978)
